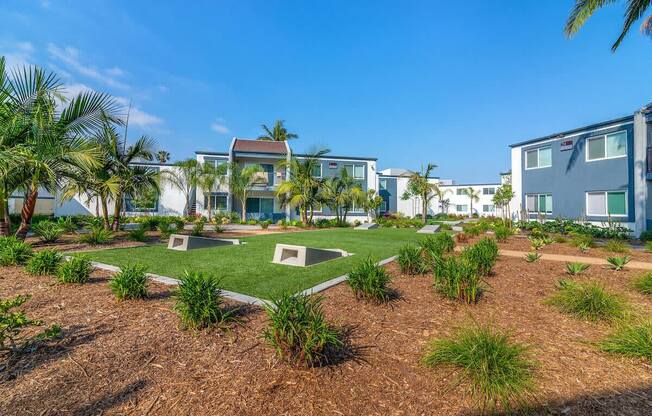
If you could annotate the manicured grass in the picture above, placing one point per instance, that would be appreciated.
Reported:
(248, 268)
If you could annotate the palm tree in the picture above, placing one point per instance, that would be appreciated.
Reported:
(441, 196)
(372, 202)
(341, 193)
(51, 145)
(474, 196)
(585, 8)
(278, 133)
(241, 180)
(162, 156)
(184, 178)
(419, 186)
(210, 176)
(302, 188)
(503, 198)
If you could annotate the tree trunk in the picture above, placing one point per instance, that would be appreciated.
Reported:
(312, 212)
(27, 212)
(243, 201)
(116, 213)
(105, 212)
(209, 207)
(424, 214)
(4, 215)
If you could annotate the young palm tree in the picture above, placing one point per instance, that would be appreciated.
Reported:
(419, 186)
(372, 202)
(210, 177)
(302, 188)
(441, 197)
(241, 180)
(585, 8)
(278, 133)
(341, 193)
(474, 196)
(184, 178)
(162, 156)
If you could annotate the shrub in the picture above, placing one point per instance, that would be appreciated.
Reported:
(631, 340)
(165, 229)
(560, 239)
(299, 332)
(462, 238)
(137, 234)
(44, 262)
(130, 282)
(499, 370)
(456, 278)
(199, 301)
(436, 245)
(502, 233)
(97, 235)
(646, 235)
(567, 226)
(643, 283)
(76, 270)
(532, 257)
(472, 230)
(648, 246)
(12, 325)
(198, 229)
(537, 233)
(482, 255)
(618, 263)
(574, 268)
(410, 260)
(537, 243)
(48, 231)
(616, 246)
(369, 280)
(67, 224)
(583, 247)
(582, 240)
(14, 252)
(265, 224)
(589, 300)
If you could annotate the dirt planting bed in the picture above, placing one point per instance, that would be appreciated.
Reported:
(131, 358)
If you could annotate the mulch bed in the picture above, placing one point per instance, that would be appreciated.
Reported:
(131, 357)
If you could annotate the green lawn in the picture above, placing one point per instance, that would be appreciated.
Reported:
(248, 268)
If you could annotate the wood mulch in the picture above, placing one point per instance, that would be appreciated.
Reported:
(131, 357)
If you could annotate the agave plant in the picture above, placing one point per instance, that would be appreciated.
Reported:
(574, 268)
(537, 243)
(532, 257)
(618, 263)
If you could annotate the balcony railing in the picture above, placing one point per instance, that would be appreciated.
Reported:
(649, 159)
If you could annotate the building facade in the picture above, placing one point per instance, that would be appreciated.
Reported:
(598, 173)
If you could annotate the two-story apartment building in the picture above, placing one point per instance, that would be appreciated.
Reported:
(599, 173)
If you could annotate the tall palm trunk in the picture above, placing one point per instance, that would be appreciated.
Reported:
(105, 212)
(210, 207)
(424, 207)
(116, 213)
(27, 212)
(243, 202)
(4, 214)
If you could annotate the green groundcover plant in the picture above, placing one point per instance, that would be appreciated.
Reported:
(498, 370)
(76, 270)
(588, 300)
(199, 301)
(643, 283)
(631, 340)
(14, 324)
(457, 278)
(44, 262)
(14, 252)
(370, 281)
(130, 282)
(410, 260)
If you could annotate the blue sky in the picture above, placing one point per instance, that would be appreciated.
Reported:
(407, 82)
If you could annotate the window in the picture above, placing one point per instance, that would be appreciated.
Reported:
(383, 184)
(488, 208)
(606, 147)
(354, 208)
(606, 203)
(461, 191)
(539, 203)
(383, 206)
(461, 208)
(488, 191)
(218, 202)
(538, 158)
(316, 171)
(357, 171)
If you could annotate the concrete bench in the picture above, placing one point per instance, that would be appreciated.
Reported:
(429, 229)
(301, 256)
(182, 242)
(367, 226)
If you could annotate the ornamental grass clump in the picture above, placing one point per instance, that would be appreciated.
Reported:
(618, 263)
(411, 260)
(44, 262)
(456, 278)
(96, 235)
(643, 283)
(76, 270)
(482, 255)
(498, 370)
(631, 340)
(199, 301)
(616, 246)
(435, 246)
(299, 332)
(14, 252)
(130, 282)
(574, 268)
(370, 281)
(48, 231)
(588, 300)
(502, 233)
(137, 234)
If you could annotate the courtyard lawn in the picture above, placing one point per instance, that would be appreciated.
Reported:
(249, 269)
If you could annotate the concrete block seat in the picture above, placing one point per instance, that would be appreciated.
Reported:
(451, 222)
(301, 256)
(429, 229)
(182, 242)
(367, 226)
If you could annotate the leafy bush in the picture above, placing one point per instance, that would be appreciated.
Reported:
(165, 229)
(398, 220)
(482, 255)
(198, 229)
(410, 260)
(456, 278)
(67, 224)
(616, 246)
(589, 300)
(76, 270)
(567, 226)
(618, 263)
(44, 262)
(199, 301)
(137, 234)
(14, 252)
(96, 235)
(130, 282)
(299, 332)
(499, 370)
(502, 233)
(631, 340)
(582, 240)
(538, 233)
(472, 230)
(369, 280)
(437, 244)
(574, 268)
(48, 231)
(265, 224)
(12, 325)
(532, 257)
(643, 283)
(648, 246)
(537, 243)
(646, 235)
(560, 239)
